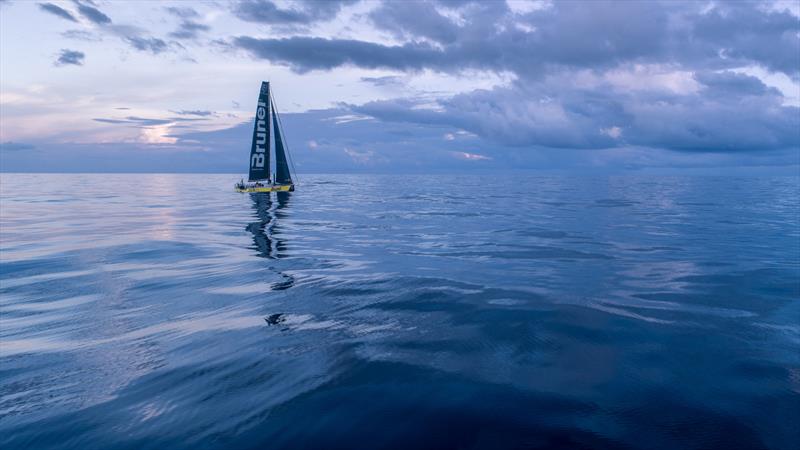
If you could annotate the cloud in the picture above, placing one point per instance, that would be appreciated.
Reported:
(745, 32)
(637, 83)
(91, 13)
(388, 147)
(70, 57)
(138, 38)
(196, 112)
(385, 81)
(593, 35)
(729, 113)
(307, 12)
(731, 83)
(360, 156)
(15, 146)
(81, 35)
(151, 44)
(58, 11)
(612, 132)
(145, 121)
(471, 156)
(309, 53)
(132, 35)
(420, 21)
(183, 12)
(189, 30)
(135, 120)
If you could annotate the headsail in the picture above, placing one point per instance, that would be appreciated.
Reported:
(259, 150)
(282, 175)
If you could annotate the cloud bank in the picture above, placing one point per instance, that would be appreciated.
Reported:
(570, 60)
(438, 84)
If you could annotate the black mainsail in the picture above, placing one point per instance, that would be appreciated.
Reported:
(259, 151)
(282, 175)
(261, 177)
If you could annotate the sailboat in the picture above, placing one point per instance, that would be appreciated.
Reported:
(261, 178)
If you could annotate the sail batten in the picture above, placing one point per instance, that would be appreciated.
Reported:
(259, 149)
(282, 175)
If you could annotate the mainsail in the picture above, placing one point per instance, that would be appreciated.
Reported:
(261, 176)
(282, 175)
(259, 151)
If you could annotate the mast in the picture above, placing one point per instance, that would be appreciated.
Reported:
(282, 175)
(259, 149)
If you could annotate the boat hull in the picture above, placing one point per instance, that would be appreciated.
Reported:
(272, 188)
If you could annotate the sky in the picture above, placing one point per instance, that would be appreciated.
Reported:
(673, 87)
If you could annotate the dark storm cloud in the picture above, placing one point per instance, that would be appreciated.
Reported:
(309, 11)
(189, 30)
(58, 11)
(70, 57)
(91, 13)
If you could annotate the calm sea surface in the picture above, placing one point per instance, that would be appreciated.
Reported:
(168, 311)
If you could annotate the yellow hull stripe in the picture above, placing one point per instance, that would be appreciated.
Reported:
(276, 188)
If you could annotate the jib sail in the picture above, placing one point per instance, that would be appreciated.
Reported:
(282, 175)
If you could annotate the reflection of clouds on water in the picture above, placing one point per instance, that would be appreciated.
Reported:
(145, 315)
(162, 213)
(219, 320)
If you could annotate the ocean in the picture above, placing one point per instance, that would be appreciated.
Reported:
(158, 311)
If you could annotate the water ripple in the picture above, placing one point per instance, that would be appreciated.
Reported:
(400, 312)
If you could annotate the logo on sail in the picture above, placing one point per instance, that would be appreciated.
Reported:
(257, 159)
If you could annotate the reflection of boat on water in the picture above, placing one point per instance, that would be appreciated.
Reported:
(267, 231)
(260, 178)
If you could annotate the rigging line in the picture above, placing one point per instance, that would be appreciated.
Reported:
(285, 144)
